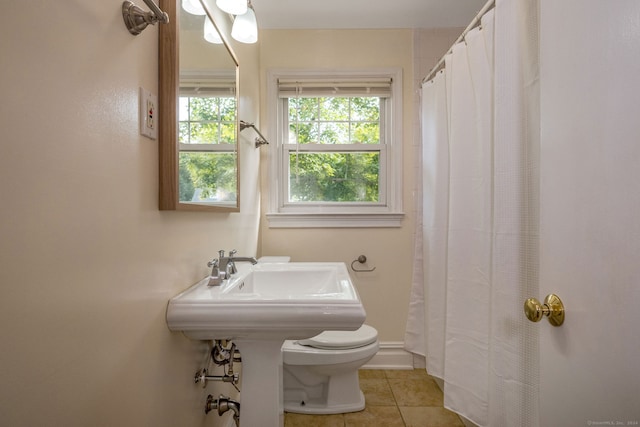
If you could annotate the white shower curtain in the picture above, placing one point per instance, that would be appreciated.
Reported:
(480, 168)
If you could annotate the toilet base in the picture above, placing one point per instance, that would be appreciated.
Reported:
(337, 394)
(311, 407)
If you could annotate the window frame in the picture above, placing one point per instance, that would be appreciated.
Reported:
(388, 211)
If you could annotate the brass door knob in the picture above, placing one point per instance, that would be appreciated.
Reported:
(552, 308)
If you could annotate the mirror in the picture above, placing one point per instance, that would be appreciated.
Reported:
(198, 121)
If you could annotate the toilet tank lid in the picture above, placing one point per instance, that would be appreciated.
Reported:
(342, 339)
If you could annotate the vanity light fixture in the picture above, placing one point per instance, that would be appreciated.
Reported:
(194, 7)
(210, 33)
(137, 19)
(234, 7)
(245, 26)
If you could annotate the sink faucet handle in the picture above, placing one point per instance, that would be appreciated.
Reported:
(231, 265)
(215, 278)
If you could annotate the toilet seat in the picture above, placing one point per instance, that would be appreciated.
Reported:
(335, 340)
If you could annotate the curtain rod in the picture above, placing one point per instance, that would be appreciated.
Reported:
(474, 22)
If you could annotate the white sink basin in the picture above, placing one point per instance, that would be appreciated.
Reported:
(269, 301)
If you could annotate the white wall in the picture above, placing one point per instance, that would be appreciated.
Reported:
(87, 261)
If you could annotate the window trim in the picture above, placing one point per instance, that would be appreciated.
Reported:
(281, 214)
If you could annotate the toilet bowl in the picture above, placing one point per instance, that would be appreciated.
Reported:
(320, 374)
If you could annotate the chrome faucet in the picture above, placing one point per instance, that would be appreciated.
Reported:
(224, 267)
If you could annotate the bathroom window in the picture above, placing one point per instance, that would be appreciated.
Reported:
(338, 149)
(207, 141)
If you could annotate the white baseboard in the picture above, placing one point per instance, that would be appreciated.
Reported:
(391, 355)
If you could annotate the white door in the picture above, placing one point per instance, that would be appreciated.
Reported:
(590, 211)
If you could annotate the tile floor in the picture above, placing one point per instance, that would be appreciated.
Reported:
(393, 398)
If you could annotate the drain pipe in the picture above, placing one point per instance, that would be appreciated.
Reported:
(223, 404)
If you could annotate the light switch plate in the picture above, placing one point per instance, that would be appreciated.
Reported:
(148, 114)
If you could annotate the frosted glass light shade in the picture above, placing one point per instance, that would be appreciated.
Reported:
(194, 7)
(234, 7)
(245, 27)
(210, 33)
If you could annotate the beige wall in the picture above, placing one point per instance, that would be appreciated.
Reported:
(384, 292)
(87, 262)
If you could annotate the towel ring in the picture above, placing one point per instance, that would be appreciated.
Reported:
(361, 259)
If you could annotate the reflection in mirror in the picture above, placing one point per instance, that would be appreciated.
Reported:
(207, 116)
(199, 150)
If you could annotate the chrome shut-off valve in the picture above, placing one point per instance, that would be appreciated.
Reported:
(202, 377)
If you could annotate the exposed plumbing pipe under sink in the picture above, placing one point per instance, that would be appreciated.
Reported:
(223, 404)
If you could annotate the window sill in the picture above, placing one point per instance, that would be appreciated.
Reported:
(325, 220)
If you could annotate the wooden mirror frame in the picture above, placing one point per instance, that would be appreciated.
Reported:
(168, 94)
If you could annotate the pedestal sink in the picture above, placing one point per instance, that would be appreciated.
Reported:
(259, 308)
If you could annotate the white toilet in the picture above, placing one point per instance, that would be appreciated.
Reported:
(320, 374)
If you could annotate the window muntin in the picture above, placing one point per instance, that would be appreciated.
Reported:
(334, 120)
(207, 120)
